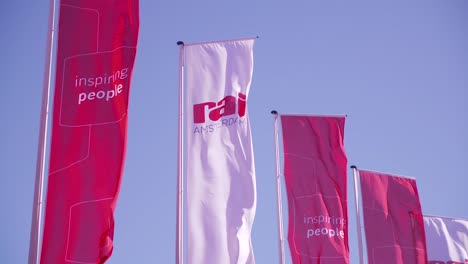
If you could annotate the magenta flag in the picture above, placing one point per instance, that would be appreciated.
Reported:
(315, 166)
(393, 220)
(96, 51)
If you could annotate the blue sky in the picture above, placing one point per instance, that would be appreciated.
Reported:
(398, 69)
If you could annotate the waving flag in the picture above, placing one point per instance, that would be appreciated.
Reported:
(447, 240)
(316, 185)
(392, 219)
(221, 190)
(95, 55)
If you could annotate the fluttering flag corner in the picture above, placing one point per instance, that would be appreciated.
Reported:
(447, 240)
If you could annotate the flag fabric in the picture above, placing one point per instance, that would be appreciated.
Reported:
(315, 165)
(221, 187)
(392, 219)
(447, 240)
(96, 49)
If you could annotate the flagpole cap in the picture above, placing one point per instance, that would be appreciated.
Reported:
(180, 43)
(353, 167)
(274, 112)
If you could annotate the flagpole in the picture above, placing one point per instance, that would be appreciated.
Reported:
(36, 221)
(358, 217)
(180, 160)
(278, 191)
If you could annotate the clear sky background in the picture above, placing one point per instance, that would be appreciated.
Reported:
(398, 69)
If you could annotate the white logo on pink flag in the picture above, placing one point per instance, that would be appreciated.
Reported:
(315, 174)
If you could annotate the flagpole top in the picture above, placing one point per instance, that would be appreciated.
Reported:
(353, 167)
(274, 112)
(179, 43)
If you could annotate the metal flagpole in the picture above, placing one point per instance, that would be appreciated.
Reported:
(36, 221)
(278, 191)
(180, 160)
(358, 217)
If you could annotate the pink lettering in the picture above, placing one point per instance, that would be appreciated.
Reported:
(225, 107)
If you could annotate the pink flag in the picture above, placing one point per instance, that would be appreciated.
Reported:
(316, 184)
(221, 188)
(392, 219)
(95, 55)
(447, 240)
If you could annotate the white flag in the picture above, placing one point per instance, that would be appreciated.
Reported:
(447, 240)
(221, 189)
